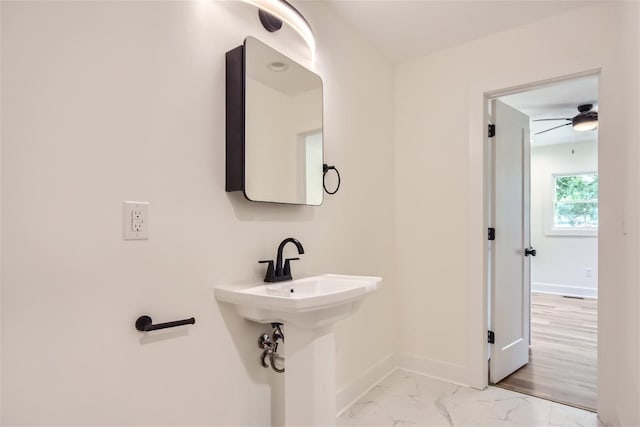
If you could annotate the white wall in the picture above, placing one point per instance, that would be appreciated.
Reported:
(440, 165)
(110, 101)
(562, 262)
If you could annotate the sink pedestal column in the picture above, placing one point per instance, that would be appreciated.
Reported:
(309, 378)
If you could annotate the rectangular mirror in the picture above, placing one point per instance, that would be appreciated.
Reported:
(274, 127)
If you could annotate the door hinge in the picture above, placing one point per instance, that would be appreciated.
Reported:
(492, 130)
(491, 337)
(492, 233)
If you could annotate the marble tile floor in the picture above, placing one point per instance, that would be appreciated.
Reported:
(408, 399)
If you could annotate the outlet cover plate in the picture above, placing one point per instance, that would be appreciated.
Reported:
(135, 220)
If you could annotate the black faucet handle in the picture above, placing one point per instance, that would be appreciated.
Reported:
(271, 273)
(287, 266)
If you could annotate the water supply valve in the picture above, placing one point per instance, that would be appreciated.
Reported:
(269, 345)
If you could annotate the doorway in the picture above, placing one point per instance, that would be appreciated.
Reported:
(559, 295)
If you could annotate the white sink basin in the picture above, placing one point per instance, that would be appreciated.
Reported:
(308, 308)
(309, 303)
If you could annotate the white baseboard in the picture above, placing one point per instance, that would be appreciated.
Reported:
(444, 371)
(573, 291)
(448, 372)
(365, 382)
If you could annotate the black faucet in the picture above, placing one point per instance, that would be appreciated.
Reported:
(281, 272)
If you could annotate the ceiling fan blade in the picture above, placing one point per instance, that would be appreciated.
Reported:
(545, 120)
(550, 129)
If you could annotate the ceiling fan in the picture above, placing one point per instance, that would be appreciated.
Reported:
(586, 119)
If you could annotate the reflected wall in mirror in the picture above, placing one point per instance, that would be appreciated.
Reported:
(274, 144)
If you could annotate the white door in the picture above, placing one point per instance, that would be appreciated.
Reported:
(510, 270)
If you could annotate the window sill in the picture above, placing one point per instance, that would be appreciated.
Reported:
(561, 232)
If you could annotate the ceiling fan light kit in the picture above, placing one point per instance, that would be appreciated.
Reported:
(585, 120)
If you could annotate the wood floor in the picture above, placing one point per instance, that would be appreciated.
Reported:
(563, 352)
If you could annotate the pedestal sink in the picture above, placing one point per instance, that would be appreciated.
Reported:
(308, 308)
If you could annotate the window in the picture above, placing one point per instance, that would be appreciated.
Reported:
(575, 203)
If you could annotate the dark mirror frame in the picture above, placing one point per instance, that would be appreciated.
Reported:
(235, 119)
(236, 122)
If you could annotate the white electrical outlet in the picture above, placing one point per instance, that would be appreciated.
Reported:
(588, 272)
(135, 220)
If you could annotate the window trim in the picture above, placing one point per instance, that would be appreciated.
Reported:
(550, 201)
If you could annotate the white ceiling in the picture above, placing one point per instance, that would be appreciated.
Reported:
(559, 100)
(405, 29)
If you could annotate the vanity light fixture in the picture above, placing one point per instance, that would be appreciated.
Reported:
(269, 22)
(271, 11)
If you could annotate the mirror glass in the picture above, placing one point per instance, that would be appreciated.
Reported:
(283, 128)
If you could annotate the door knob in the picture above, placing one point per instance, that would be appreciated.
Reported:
(529, 251)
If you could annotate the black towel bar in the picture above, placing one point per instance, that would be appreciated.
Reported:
(145, 324)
